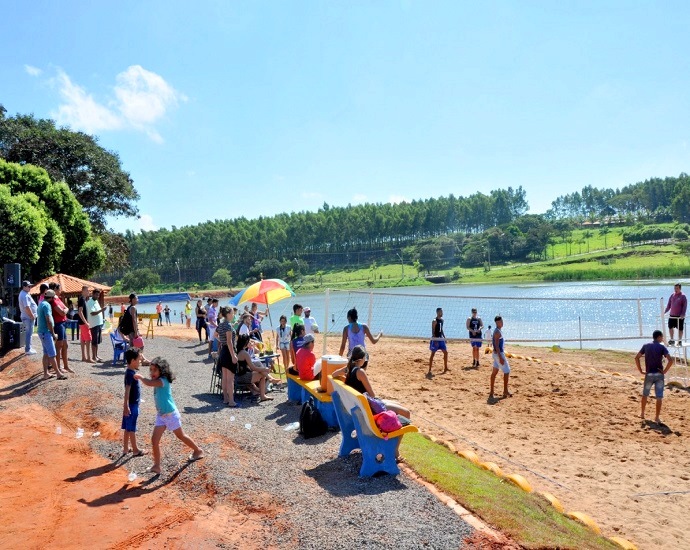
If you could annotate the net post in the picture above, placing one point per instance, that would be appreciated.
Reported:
(639, 316)
(663, 325)
(325, 320)
(371, 309)
(579, 323)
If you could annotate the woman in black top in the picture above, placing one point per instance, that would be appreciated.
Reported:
(356, 377)
(201, 319)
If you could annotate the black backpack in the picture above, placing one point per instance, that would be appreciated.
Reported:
(311, 423)
(126, 325)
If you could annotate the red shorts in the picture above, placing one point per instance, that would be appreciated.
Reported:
(84, 333)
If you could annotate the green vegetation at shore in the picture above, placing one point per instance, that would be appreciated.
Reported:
(525, 517)
(619, 263)
(584, 255)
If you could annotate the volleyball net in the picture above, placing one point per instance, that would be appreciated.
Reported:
(591, 322)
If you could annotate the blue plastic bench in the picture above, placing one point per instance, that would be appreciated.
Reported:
(359, 431)
(300, 390)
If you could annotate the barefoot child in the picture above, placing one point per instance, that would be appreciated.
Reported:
(168, 416)
(130, 410)
(500, 361)
(438, 341)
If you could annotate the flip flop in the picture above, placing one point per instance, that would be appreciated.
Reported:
(265, 399)
(193, 458)
(235, 406)
(140, 453)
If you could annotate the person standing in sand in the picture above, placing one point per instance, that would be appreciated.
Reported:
(653, 353)
(475, 325)
(188, 313)
(676, 307)
(500, 360)
(438, 341)
(354, 333)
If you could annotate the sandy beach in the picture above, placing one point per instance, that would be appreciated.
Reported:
(572, 428)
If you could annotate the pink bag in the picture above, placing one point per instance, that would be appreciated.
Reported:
(387, 421)
(138, 342)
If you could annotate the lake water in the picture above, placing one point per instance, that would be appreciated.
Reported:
(608, 314)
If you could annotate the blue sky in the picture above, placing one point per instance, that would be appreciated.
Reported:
(225, 109)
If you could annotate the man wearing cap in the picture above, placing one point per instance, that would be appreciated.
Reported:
(305, 360)
(47, 335)
(29, 311)
(310, 326)
(95, 321)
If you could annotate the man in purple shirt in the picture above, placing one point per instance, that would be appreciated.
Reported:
(653, 354)
(677, 304)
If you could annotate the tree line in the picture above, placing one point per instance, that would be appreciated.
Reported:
(329, 237)
(653, 200)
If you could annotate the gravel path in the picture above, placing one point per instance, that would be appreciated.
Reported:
(306, 496)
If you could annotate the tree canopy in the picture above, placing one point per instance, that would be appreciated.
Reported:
(93, 174)
(43, 225)
(655, 199)
(329, 237)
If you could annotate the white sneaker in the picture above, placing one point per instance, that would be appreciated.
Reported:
(31, 352)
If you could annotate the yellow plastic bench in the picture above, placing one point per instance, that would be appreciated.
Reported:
(300, 391)
(359, 431)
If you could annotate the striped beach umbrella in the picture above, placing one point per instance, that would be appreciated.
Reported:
(266, 291)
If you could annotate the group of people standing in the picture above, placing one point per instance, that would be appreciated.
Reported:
(50, 316)
(475, 328)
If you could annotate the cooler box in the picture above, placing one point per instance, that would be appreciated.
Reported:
(330, 364)
(12, 333)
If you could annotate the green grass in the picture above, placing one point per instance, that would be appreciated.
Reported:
(527, 518)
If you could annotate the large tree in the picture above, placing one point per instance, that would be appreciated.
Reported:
(43, 226)
(93, 173)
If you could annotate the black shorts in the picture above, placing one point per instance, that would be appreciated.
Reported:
(675, 322)
(225, 359)
(95, 335)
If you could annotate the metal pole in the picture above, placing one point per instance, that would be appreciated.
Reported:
(663, 325)
(639, 315)
(371, 308)
(579, 322)
(325, 320)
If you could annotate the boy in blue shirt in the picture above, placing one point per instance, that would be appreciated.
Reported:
(130, 410)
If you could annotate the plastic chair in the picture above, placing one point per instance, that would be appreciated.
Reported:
(119, 348)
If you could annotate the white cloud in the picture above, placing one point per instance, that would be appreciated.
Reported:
(33, 71)
(141, 99)
(397, 199)
(145, 223)
(359, 198)
(81, 111)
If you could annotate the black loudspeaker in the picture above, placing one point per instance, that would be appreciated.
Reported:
(13, 275)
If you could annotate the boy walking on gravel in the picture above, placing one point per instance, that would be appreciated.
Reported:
(130, 410)
(654, 352)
